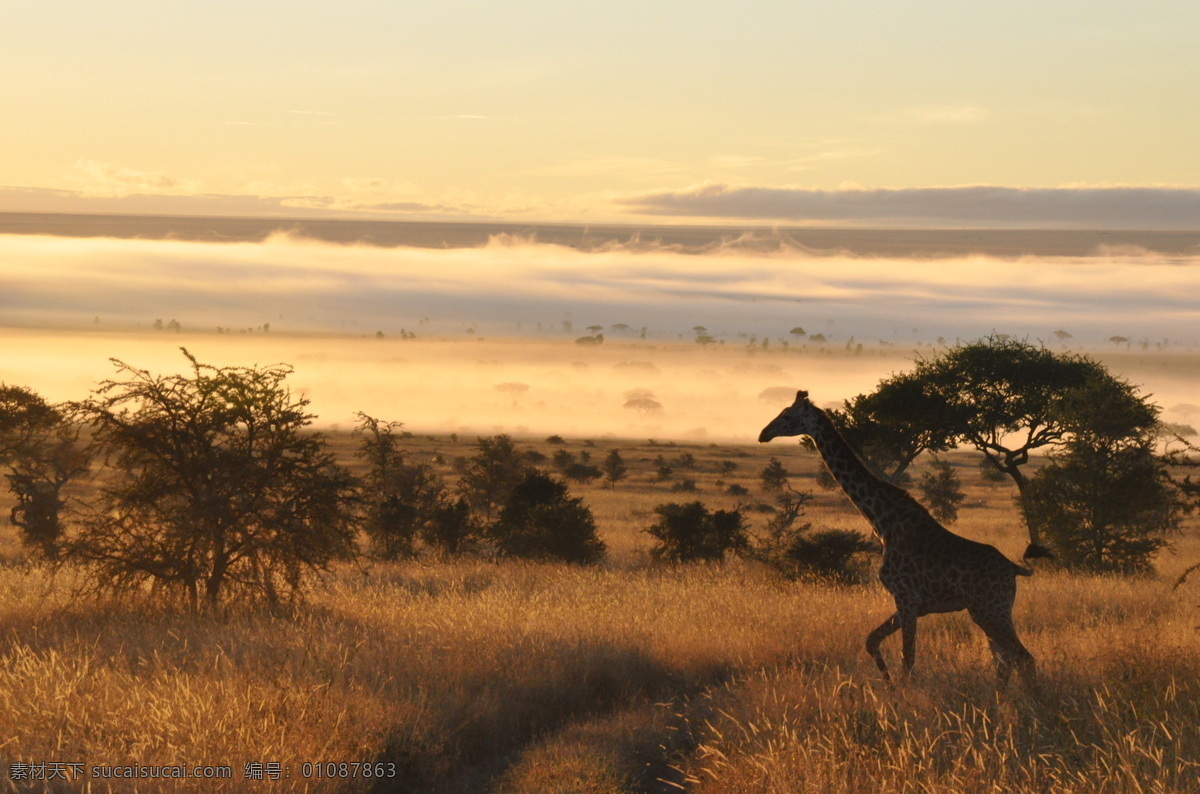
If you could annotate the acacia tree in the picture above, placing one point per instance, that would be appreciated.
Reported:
(217, 485)
(891, 427)
(1004, 397)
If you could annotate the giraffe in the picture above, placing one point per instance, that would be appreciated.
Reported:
(926, 567)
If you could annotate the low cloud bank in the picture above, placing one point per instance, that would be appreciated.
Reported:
(979, 206)
(520, 287)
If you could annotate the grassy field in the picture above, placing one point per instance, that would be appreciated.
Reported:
(459, 676)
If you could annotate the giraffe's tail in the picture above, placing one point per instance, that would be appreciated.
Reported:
(1032, 552)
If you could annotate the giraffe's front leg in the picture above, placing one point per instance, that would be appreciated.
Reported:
(885, 630)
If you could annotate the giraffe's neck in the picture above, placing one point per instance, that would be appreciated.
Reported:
(876, 499)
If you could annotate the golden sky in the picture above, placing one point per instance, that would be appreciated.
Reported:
(861, 112)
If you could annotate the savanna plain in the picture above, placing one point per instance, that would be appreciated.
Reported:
(460, 675)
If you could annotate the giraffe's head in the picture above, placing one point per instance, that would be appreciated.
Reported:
(795, 420)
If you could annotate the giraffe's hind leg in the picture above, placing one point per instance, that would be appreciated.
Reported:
(908, 634)
(881, 633)
(1007, 649)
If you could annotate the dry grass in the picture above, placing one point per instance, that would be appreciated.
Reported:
(472, 676)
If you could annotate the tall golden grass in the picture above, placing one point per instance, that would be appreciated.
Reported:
(468, 675)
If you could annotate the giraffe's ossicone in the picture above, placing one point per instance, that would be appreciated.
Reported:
(926, 567)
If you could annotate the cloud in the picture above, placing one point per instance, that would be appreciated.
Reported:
(104, 179)
(302, 203)
(979, 206)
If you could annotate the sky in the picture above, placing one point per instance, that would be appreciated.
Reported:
(931, 113)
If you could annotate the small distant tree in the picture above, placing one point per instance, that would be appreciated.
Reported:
(774, 476)
(401, 499)
(218, 485)
(541, 521)
(642, 401)
(614, 468)
(798, 332)
(941, 491)
(689, 533)
(488, 477)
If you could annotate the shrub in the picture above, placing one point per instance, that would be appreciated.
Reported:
(540, 521)
(582, 473)
(689, 532)
(839, 555)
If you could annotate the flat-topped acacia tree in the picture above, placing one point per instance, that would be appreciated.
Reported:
(1004, 397)
(217, 486)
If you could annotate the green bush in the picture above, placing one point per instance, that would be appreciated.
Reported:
(839, 555)
(689, 532)
(541, 521)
